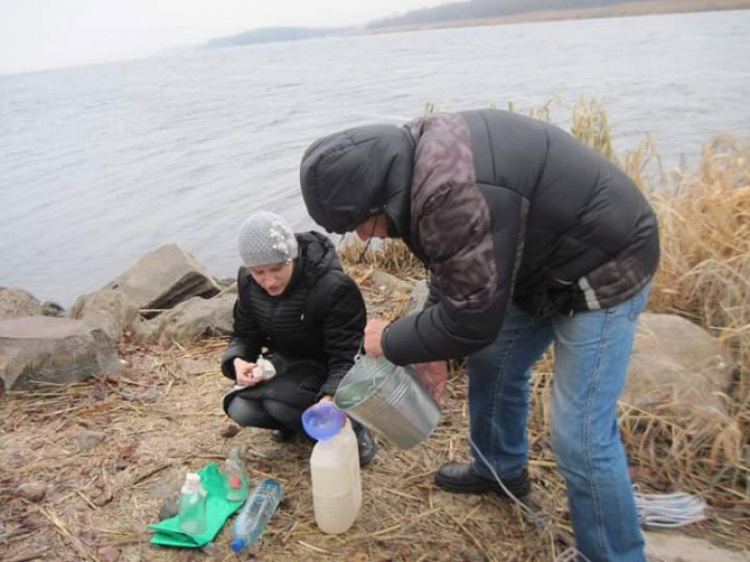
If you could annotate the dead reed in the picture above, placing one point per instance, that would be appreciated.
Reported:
(704, 276)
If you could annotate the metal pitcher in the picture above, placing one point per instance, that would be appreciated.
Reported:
(389, 400)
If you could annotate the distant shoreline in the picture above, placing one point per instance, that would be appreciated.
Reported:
(624, 9)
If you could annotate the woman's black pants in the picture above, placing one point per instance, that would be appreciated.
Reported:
(278, 403)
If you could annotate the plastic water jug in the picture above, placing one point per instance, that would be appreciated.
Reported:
(334, 468)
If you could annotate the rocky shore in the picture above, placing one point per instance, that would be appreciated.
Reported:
(159, 326)
(169, 297)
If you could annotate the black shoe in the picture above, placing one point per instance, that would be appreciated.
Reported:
(365, 444)
(283, 435)
(461, 478)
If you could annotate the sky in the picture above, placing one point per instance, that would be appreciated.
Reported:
(42, 34)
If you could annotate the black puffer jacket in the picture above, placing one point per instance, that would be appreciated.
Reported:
(500, 207)
(321, 315)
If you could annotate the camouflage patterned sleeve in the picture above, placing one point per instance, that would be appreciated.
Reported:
(474, 274)
(472, 255)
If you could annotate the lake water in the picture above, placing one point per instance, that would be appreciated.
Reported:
(101, 164)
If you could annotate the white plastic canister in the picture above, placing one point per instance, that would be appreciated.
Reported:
(334, 468)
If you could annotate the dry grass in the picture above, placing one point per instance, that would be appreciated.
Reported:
(705, 276)
(391, 255)
(108, 452)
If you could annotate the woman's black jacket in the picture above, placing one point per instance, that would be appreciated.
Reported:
(321, 314)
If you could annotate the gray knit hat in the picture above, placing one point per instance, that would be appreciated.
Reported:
(266, 238)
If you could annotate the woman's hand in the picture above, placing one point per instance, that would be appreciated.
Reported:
(326, 398)
(244, 372)
(373, 336)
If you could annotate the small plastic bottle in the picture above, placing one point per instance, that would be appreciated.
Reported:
(334, 468)
(254, 515)
(192, 514)
(235, 477)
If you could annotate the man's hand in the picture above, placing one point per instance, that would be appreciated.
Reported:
(433, 377)
(244, 372)
(373, 335)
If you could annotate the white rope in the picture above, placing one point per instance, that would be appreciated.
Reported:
(654, 510)
(669, 510)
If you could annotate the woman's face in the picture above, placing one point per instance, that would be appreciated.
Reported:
(273, 277)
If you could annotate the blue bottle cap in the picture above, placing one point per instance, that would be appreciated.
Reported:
(237, 545)
(323, 420)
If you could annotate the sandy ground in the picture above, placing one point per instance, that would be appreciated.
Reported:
(86, 468)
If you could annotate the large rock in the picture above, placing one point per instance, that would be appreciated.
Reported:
(196, 318)
(164, 278)
(676, 363)
(16, 303)
(110, 310)
(58, 350)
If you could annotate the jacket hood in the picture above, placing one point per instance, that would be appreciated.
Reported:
(317, 255)
(353, 175)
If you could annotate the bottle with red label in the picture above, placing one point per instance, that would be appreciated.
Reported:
(235, 477)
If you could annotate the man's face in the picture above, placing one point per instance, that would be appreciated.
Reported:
(374, 227)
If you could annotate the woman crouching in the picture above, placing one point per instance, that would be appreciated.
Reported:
(298, 325)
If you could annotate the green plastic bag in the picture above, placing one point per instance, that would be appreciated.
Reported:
(218, 510)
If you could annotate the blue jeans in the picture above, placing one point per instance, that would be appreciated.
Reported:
(592, 350)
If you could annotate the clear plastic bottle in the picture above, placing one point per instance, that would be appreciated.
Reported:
(334, 468)
(192, 514)
(235, 476)
(254, 515)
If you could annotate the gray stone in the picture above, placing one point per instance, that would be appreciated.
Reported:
(110, 310)
(17, 303)
(196, 318)
(169, 507)
(108, 554)
(38, 349)
(32, 491)
(53, 309)
(226, 283)
(87, 439)
(389, 283)
(676, 547)
(164, 278)
(419, 295)
(229, 289)
(676, 363)
(146, 330)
